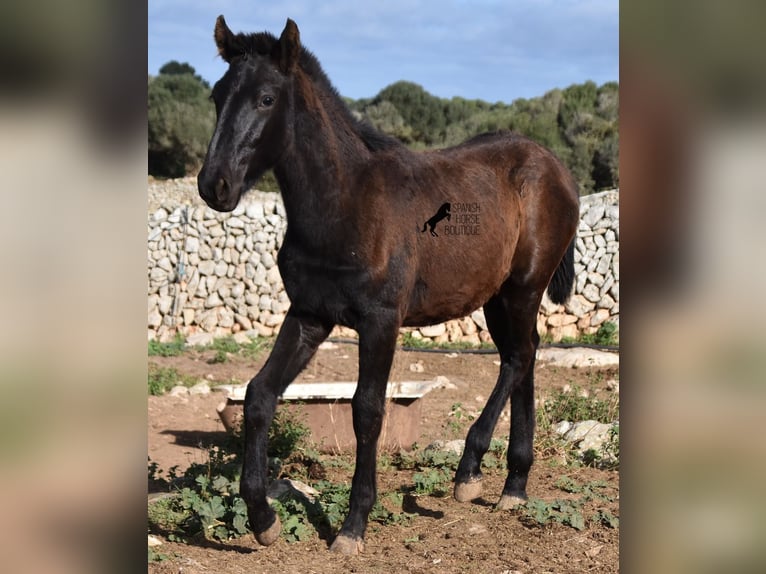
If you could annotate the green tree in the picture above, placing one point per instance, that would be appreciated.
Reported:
(180, 120)
(385, 117)
(419, 109)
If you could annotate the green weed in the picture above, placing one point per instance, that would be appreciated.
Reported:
(458, 419)
(162, 379)
(173, 348)
(574, 406)
(411, 342)
(606, 335)
(287, 433)
(570, 512)
(155, 556)
(434, 482)
(538, 512)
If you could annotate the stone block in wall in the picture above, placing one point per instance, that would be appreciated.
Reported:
(454, 331)
(549, 307)
(164, 304)
(152, 301)
(561, 319)
(472, 339)
(273, 276)
(206, 267)
(478, 318)
(578, 305)
(208, 320)
(591, 293)
(606, 302)
(599, 317)
(558, 333)
(243, 321)
(191, 245)
(596, 279)
(542, 324)
(157, 275)
(433, 331)
(155, 318)
(213, 301)
(467, 326)
(604, 264)
(225, 317)
(221, 268)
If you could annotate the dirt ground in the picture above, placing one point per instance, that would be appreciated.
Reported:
(444, 536)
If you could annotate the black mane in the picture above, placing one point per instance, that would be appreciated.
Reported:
(262, 44)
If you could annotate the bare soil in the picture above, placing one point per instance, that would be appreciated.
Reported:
(444, 536)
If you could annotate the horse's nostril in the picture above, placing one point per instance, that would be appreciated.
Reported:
(221, 187)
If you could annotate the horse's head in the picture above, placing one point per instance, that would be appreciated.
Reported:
(253, 108)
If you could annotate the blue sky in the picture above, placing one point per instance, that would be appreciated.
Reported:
(495, 50)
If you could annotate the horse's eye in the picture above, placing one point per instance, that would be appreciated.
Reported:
(267, 101)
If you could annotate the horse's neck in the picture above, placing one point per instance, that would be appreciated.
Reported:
(316, 171)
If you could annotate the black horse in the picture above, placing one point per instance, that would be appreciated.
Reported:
(442, 213)
(277, 109)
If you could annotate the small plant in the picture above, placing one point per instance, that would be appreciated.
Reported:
(207, 502)
(299, 517)
(426, 459)
(224, 344)
(575, 406)
(606, 335)
(538, 512)
(155, 556)
(411, 342)
(458, 418)
(589, 491)
(161, 379)
(433, 482)
(608, 457)
(219, 357)
(287, 433)
(494, 457)
(606, 518)
(172, 348)
(254, 348)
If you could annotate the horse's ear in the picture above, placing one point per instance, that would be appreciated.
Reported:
(224, 39)
(289, 47)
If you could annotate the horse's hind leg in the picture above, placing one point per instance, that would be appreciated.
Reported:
(511, 318)
(296, 343)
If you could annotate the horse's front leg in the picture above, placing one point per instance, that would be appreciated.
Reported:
(377, 342)
(296, 343)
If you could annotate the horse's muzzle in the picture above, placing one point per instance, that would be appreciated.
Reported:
(217, 192)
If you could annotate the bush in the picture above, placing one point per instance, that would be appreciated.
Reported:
(181, 120)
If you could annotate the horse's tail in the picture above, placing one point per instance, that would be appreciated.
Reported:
(561, 284)
(425, 226)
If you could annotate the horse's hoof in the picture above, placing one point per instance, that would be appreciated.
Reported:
(347, 545)
(271, 534)
(507, 502)
(466, 491)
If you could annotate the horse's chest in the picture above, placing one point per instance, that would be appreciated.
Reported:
(316, 287)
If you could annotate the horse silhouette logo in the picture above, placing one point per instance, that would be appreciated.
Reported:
(443, 213)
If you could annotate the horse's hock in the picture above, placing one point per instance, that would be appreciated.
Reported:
(215, 274)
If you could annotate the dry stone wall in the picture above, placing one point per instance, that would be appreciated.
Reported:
(212, 274)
